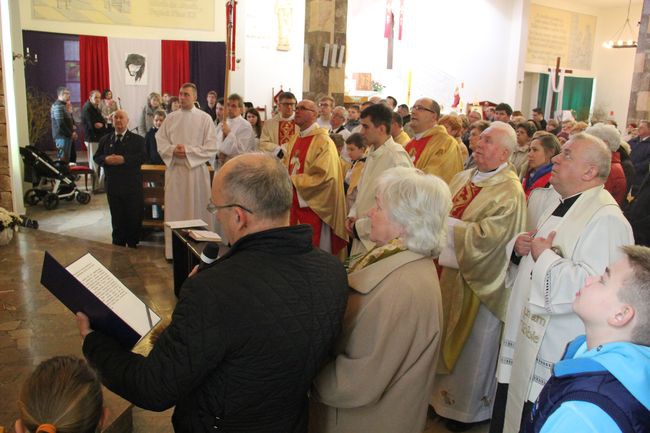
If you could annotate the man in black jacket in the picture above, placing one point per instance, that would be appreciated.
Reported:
(62, 125)
(250, 332)
(121, 154)
(94, 127)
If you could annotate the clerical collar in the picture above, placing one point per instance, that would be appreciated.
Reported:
(565, 205)
(286, 119)
(418, 136)
(481, 176)
(307, 131)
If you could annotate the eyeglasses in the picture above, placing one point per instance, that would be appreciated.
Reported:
(214, 208)
(288, 104)
(421, 108)
(302, 108)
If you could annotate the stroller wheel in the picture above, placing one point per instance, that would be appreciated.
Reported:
(31, 197)
(51, 201)
(83, 197)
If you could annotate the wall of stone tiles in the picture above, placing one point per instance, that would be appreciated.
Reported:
(325, 23)
(639, 107)
(5, 180)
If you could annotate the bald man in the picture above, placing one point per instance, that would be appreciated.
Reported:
(317, 176)
(121, 154)
(432, 149)
(574, 232)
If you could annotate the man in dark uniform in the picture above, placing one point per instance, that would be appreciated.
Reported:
(121, 154)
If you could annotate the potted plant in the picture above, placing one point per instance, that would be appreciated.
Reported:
(9, 223)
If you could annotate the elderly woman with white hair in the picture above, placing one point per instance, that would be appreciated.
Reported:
(381, 378)
(616, 182)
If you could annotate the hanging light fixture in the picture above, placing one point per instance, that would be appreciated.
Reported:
(619, 41)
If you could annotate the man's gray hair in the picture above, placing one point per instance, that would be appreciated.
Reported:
(608, 133)
(261, 184)
(506, 136)
(418, 202)
(596, 153)
(341, 109)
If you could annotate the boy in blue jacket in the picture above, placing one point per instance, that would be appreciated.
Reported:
(603, 382)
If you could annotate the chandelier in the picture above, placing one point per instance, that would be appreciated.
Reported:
(619, 40)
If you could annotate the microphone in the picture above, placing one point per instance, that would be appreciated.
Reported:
(209, 255)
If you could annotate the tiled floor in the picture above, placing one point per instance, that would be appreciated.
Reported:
(25, 305)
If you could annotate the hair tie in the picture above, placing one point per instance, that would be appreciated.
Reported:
(47, 428)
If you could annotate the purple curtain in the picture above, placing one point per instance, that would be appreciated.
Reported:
(52, 70)
(208, 67)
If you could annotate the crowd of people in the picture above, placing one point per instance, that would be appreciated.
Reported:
(386, 264)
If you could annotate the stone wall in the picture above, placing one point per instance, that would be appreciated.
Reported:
(5, 179)
(325, 23)
(639, 107)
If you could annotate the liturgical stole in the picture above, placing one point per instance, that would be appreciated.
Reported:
(287, 129)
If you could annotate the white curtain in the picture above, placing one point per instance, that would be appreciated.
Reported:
(132, 91)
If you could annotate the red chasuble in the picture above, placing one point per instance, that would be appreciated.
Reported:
(304, 215)
(415, 147)
(286, 130)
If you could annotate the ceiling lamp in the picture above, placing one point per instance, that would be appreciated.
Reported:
(619, 41)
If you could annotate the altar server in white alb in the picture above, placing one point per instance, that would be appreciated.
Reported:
(235, 134)
(186, 141)
(575, 229)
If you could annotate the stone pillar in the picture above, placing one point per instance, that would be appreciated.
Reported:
(5, 178)
(639, 107)
(325, 23)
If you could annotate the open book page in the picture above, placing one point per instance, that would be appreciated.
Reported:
(204, 235)
(103, 284)
(186, 223)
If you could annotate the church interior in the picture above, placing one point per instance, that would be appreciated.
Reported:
(464, 54)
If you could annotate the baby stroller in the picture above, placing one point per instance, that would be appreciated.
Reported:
(52, 180)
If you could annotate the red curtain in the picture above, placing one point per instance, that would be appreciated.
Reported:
(175, 65)
(93, 62)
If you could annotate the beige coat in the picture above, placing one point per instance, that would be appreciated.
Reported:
(382, 377)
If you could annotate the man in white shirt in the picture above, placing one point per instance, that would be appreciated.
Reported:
(383, 154)
(186, 141)
(236, 134)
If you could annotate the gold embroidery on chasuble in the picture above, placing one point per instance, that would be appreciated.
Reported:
(463, 198)
(286, 130)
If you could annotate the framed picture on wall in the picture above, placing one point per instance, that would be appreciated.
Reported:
(136, 72)
(364, 80)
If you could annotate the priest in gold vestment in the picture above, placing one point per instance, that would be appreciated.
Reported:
(432, 149)
(316, 173)
(489, 208)
(278, 130)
